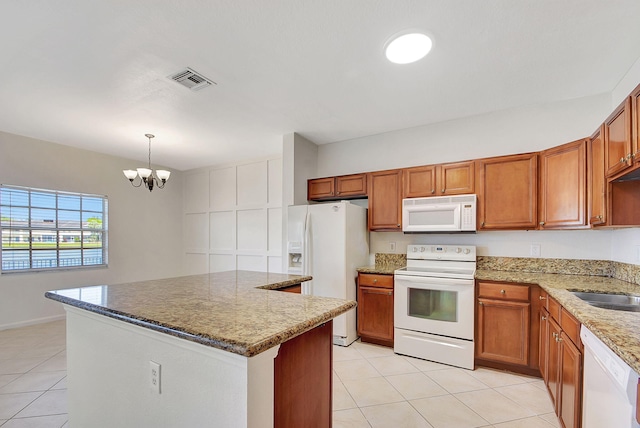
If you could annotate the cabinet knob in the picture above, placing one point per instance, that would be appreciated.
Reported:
(442, 190)
(482, 224)
(375, 280)
(502, 291)
(544, 318)
(398, 225)
(622, 160)
(337, 193)
(554, 335)
(542, 298)
(480, 303)
(558, 339)
(542, 223)
(433, 191)
(629, 156)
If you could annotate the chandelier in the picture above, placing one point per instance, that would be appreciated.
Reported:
(147, 175)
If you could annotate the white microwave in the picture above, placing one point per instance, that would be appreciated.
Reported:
(439, 214)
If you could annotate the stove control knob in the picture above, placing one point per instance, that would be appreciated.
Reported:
(458, 249)
(415, 249)
(422, 249)
(466, 251)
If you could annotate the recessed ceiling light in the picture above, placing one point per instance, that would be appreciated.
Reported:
(408, 48)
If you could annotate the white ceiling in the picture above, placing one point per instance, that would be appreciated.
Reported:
(93, 74)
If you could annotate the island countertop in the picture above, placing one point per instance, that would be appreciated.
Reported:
(236, 311)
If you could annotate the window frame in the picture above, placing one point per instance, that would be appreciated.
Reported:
(37, 230)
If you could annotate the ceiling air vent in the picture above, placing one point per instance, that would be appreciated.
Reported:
(191, 79)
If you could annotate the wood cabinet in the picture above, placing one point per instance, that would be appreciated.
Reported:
(507, 326)
(596, 184)
(439, 180)
(563, 183)
(341, 187)
(508, 192)
(562, 362)
(375, 308)
(617, 139)
(303, 380)
(385, 200)
(297, 289)
(635, 126)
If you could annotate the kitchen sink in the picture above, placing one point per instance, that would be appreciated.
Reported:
(617, 302)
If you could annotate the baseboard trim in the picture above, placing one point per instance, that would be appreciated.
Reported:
(32, 322)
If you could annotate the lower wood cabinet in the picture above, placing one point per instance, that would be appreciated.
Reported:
(561, 361)
(375, 308)
(303, 380)
(507, 326)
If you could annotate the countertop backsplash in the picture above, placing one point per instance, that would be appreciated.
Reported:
(623, 271)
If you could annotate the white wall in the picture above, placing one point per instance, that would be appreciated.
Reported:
(233, 217)
(145, 229)
(520, 130)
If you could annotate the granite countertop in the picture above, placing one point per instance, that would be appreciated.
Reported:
(377, 269)
(236, 311)
(619, 330)
(385, 264)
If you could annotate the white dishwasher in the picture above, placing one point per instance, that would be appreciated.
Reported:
(609, 389)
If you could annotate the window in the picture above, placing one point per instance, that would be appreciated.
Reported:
(48, 229)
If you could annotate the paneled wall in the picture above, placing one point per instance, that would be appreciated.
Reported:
(233, 217)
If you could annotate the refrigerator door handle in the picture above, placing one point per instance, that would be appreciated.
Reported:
(306, 259)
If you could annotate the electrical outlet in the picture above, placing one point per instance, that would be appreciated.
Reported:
(154, 376)
(535, 250)
(392, 246)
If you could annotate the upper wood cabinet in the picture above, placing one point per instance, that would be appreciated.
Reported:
(419, 181)
(617, 139)
(341, 187)
(635, 125)
(439, 180)
(385, 200)
(596, 184)
(563, 183)
(508, 192)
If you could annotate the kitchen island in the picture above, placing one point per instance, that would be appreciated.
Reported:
(220, 349)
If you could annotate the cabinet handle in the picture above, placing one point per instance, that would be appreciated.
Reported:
(502, 291)
(542, 223)
(542, 298)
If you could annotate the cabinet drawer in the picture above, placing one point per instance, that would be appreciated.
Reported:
(494, 290)
(554, 308)
(571, 326)
(375, 280)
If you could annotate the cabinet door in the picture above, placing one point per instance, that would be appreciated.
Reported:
(503, 331)
(544, 334)
(617, 139)
(563, 186)
(419, 181)
(553, 361)
(597, 184)
(569, 407)
(635, 124)
(351, 185)
(456, 178)
(375, 314)
(385, 200)
(507, 192)
(320, 188)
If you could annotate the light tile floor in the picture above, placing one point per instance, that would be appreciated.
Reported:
(373, 387)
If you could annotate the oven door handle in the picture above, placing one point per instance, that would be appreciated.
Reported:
(436, 281)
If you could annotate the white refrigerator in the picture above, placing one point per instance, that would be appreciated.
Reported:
(329, 241)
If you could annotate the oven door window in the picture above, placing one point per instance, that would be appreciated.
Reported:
(437, 305)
